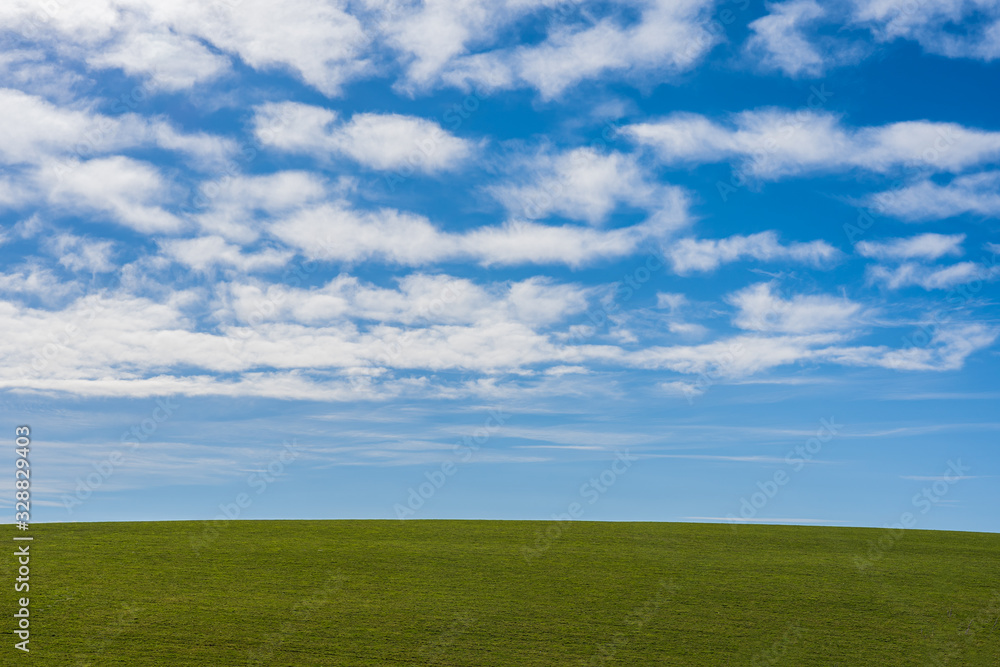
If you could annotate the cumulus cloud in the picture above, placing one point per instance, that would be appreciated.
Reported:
(922, 246)
(419, 299)
(239, 334)
(30, 71)
(775, 143)
(912, 256)
(927, 200)
(779, 40)
(583, 184)
(127, 191)
(338, 232)
(172, 62)
(929, 277)
(434, 43)
(691, 255)
(81, 254)
(35, 131)
(304, 344)
(760, 309)
(794, 36)
(439, 42)
(238, 207)
(33, 280)
(670, 300)
(931, 24)
(32, 128)
(948, 349)
(321, 43)
(203, 253)
(379, 141)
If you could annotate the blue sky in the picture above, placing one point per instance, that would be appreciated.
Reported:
(659, 261)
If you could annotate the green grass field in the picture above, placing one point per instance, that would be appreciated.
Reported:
(464, 593)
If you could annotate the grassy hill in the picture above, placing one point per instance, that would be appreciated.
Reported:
(505, 593)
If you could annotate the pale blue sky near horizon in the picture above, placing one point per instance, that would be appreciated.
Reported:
(653, 261)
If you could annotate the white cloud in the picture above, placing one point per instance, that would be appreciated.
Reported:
(128, 191)
(794, 37)
(295, 343)
(31, 127)
(81, 254)
(681, 389)
(379, 141)
(779, 42)
(35, 131)
(787, 39)
(37, 281)
(437, 40)
(673, 303)
(688, 330)
(518, 242)
(14, 192)
(948, 349)
(393, 141)
(30, 227)
(208, 150)
(171, 61)
(205, 252)
(420, 299)
(773, 143)
(928, 277)
(670, 36)
(236, 207)
(737, 356)
(319, 42)
(931, 24)
(742, 356)
(926, 200)
(582, 184)
(922, 246)
(293, 126)
(671, 300)
(338, 233)
(29, 71)
(432, 33)
(702, 255)
(759, 309)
